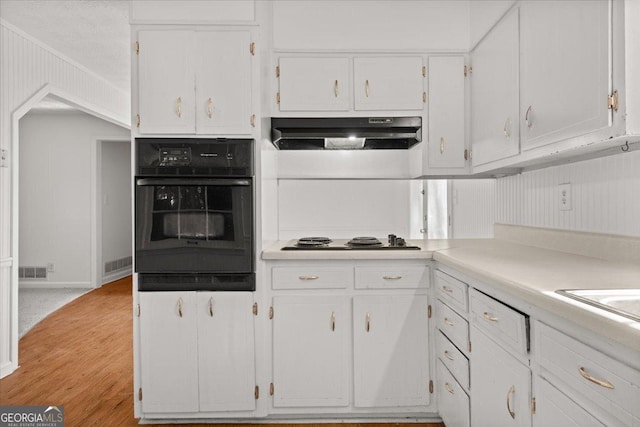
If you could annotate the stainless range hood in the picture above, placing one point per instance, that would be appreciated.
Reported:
(346, 133)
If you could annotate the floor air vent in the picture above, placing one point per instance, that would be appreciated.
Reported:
(32, 272)
(118, 264)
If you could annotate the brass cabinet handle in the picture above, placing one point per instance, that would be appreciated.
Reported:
(601, 383)
(180, 306)
(335, 88)
(448, 322)
(442, 145)
(368, 322)
(489, 317)
(308, 277)
(366, 88)
(333, 321)
(179, 106)
(449, 388)
(448, 355)
(511, 391)
(253, 120)
(526, 117)
(447, 289)
(209, 108)
(392, 277)
(211, 306)
(507, 128)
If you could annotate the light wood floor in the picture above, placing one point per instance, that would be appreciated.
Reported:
(81, 357)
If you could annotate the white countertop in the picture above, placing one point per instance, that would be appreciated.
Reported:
(525, 272)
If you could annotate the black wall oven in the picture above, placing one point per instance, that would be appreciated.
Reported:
(194, 214)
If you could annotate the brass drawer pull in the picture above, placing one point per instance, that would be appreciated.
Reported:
(367, 91)
(511, 391)
(447, 289)
(209, 108)
(489, 317)
(449, 388)
(601, 383)
(441, 145)
(308, 277)
(448, 355)
(526, 118)
(368, 322)
(180, 306)
(211, 306)
(392, 277)
(507, 128)
(448, 322)
(333, 321)
(335, 88)
(179, 106)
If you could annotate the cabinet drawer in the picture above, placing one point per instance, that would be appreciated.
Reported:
(453, 326)
(311, 277)
(453, 401)
(392, 277)
(452, 291)
(590, 372)
(453, 359)
(500, 321)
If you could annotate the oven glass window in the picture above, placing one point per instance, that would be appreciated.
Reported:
(193, 212)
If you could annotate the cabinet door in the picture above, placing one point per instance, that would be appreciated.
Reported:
(446, 112)
(391, 359)
(500, 385)
(394, 83)
(314, 84)
(226, 366)
(310, 350)
(453, 402)
(565, 63)
(495, 129)
(166, 82)
(168, 352)
(553, 408)
(223, 82)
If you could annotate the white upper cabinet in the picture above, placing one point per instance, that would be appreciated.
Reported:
(166, 86)
(495, 130)
(389, 83)
(194, 82)
(314, 84)
(565, 70)
(223, 82)
(446, 147)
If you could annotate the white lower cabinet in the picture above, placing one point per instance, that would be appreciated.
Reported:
(500, 385)
(197, 352)
(391, 359)
(310, 351)
(553, 408)
(452, 400)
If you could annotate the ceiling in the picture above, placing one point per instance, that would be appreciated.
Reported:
(93, 33)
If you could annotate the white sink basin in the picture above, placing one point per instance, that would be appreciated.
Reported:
(623, 302)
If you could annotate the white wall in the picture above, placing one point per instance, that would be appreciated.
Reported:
(373, 25)
(343, 208)
(28, 66)
(473, 208)
(605, 196)
(115, 168)
(483, 15)
(56, 160)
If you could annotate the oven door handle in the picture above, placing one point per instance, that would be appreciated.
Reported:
(188, 182)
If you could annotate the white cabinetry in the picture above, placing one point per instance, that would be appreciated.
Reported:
(391, 83)
(446, 146)
(555, 408)
(391, 356)
(500, 385)
(194, 82)
(310, 350)
(327, 83)
(495, 129)
(565, 70)
(197, 352)
(314, 84)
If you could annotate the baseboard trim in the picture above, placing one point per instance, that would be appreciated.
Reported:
(43, 284)
(120, 274)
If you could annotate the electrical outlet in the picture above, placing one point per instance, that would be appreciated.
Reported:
(564, 196)
(51, 268)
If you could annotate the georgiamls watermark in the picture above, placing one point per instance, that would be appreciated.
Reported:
(31, 416)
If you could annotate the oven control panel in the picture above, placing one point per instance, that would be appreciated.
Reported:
(175, 156)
